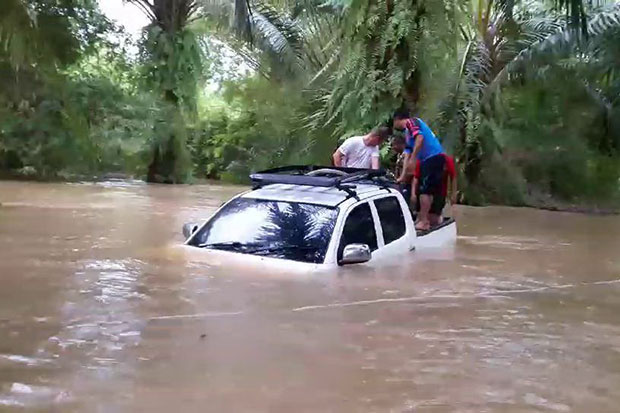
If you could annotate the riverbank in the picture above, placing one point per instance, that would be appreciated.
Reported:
(541, 202)
(577, 208)
(591, 207)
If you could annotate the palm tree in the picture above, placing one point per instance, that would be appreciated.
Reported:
(17, 31)
(174, 64)
(500, 47)
(37, 32)
(592, 59)
(377, 63)
(174, 59)
(282, 41)
(492, 40)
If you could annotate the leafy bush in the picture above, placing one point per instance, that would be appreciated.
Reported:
(255, 125)
(547, 143)
(76, 125)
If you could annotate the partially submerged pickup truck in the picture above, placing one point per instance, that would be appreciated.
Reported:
(322, 216)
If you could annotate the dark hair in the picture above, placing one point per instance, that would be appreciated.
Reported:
(382, 131)
(402, 114)
(399, 139)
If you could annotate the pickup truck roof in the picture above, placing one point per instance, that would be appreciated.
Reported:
(320, 185)
(327, 196)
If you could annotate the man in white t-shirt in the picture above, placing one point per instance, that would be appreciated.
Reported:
(362, 151)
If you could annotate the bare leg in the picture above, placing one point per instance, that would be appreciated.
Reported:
(425, 206)
(414, 195)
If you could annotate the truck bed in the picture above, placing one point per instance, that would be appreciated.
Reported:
(446, 221)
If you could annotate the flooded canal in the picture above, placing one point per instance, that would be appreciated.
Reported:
(102, 311)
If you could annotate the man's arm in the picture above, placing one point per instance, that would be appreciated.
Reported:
(403, 174)
(410, 158)
(375, 162)
(419, 140)
(337, 157)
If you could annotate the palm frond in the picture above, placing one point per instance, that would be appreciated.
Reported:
(278, 36)
(290, 39)
(558, 43)
(30, 33)
(18, 26)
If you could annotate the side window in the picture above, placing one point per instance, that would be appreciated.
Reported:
(391, 217)
(359, 228)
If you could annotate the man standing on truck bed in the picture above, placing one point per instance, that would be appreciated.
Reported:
(448, 187)
(422, 145)
(362, 151)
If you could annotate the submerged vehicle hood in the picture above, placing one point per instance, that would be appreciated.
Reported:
(248, 262)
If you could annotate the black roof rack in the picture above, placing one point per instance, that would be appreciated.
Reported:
(298, 175)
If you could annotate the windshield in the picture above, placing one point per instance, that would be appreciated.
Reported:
(294, 231)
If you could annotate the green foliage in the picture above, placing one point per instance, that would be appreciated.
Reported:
(81, 122)
(528, 58)
(173, 63)
(280, 40)
(170, 159)
(551, 137)
(48, 32)
(49, 109)
(379, 64)
(489, 76)
(256, 125)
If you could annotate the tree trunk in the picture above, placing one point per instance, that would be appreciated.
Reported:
(153, 171)
(411, 90)
(166, 166)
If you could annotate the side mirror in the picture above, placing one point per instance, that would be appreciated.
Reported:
(355, 254)
(189, 229)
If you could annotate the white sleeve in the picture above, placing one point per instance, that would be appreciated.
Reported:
(375, 152)
(346, 146)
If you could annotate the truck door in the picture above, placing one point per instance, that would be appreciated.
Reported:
(359, 228)
(392, 228)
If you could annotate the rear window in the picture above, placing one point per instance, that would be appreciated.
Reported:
(391, 217)
(288, 230)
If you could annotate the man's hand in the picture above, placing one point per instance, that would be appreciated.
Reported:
(403, 175)
(337, 157)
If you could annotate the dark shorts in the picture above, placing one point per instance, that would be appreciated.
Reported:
(431, 175)
(439, 202)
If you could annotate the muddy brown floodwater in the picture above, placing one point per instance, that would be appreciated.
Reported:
(101, 311)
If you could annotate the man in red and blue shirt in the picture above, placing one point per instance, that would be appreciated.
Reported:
(448, 186)
(422, 145)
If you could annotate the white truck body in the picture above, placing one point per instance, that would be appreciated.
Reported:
(404, 240)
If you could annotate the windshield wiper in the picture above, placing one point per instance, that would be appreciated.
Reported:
(275, 248)
(253, 248)
(229, 244)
